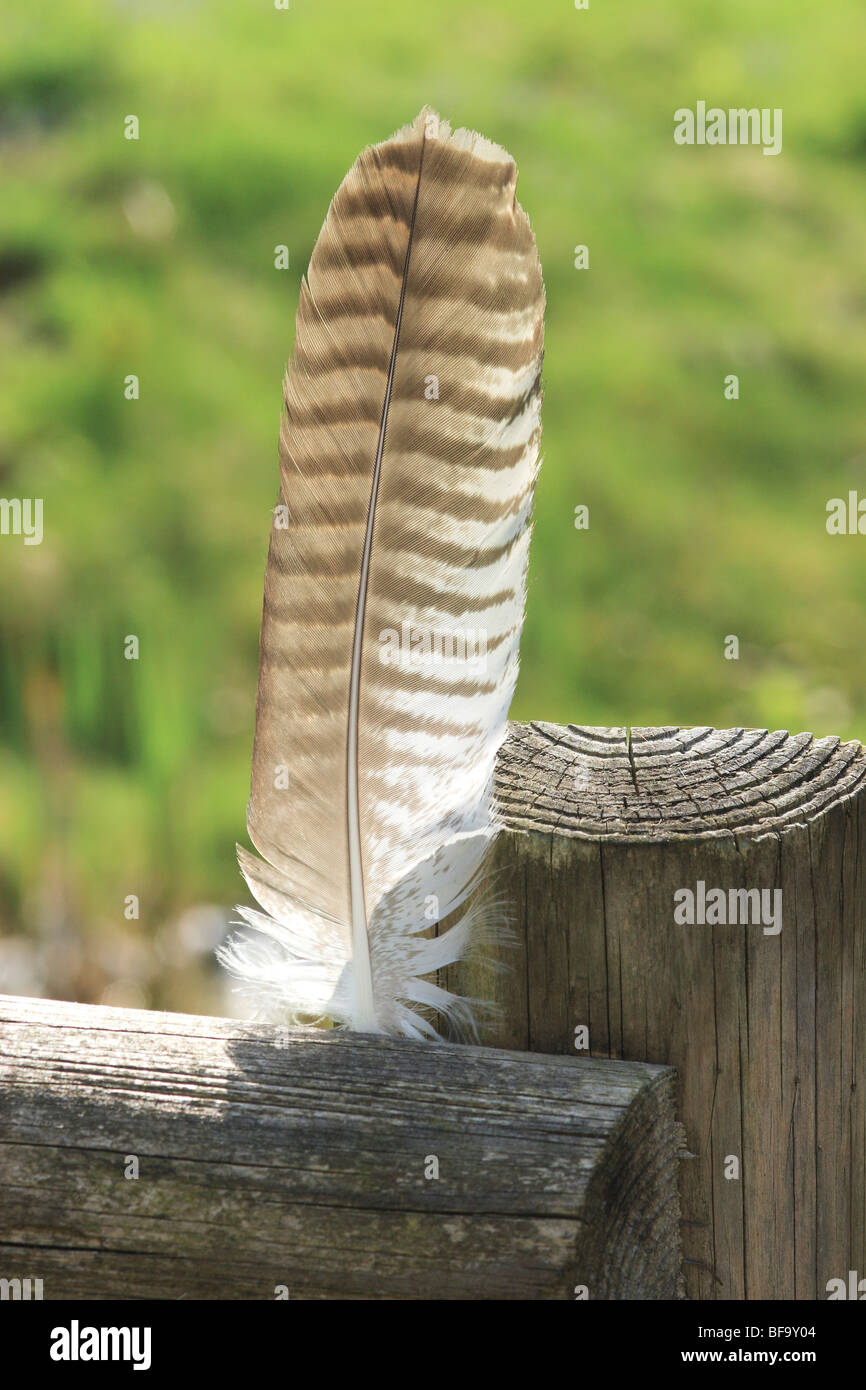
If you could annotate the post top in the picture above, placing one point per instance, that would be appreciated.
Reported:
(669, 783)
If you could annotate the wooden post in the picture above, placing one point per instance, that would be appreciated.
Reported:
(147, 1155)
(767, 1029)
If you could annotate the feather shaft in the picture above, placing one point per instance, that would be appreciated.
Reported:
(364, 1013)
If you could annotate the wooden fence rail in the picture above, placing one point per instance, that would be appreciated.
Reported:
(147, 1155)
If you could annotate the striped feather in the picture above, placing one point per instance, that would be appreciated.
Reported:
(403, 518)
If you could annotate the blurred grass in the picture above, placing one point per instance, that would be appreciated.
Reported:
(156, 257)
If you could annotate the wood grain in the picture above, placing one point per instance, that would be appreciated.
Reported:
(271, 1158)
(767, 1032)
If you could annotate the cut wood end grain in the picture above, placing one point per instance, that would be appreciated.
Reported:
(669, 783)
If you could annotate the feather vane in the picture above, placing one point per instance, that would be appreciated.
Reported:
(395, 587)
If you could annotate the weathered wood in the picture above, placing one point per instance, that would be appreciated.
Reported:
(767, 1032)
(272, 1158)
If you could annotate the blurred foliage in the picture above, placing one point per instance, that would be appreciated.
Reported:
(156, 257)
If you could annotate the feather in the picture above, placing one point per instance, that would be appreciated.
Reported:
(395, 586)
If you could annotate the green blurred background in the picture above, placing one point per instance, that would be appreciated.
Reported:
(156, 257)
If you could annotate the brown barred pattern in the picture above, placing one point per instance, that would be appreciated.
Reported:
(410, 437)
